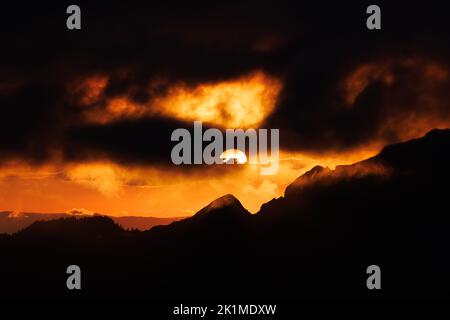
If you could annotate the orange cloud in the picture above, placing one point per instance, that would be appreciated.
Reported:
(237, 103)
(364, 75)
(384, 71)
(414, 97)
(90, 90)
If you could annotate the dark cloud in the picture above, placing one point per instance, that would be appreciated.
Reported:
(313, 48)
(137, 141)
(397, 99)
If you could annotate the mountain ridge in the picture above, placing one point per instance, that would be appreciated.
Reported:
(316, 242)
(10, 224)
(379, 165)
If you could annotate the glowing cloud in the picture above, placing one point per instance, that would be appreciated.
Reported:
(100, 176)
(239, 103)
(90, 89)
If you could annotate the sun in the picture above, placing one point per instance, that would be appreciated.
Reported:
(233, 156)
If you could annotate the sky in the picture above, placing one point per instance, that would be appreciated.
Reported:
(86, 116)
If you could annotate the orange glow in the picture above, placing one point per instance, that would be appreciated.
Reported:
(235, 155)
(91, 89)
(104, 178)
(360, 78)
(368, 73)
(410, 109)
(109, 188)
(238, 103)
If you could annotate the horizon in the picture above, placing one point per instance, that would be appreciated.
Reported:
(183, 213)
(82, 212)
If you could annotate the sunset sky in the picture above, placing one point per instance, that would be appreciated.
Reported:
(86, 116)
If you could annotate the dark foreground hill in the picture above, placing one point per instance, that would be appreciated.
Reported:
(11, 222)
(316, 242)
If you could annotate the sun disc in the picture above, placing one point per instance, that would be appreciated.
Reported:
(233, 154)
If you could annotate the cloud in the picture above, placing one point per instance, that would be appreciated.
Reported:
(379, 102)
(236, 103)
(115, 94)
(79, 212)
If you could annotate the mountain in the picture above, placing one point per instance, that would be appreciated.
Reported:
(224, 222)
(143, 223)
(226, 203)
(426, 159)
(69, 228)
(225, 210)
(315, 242)
(11, 222)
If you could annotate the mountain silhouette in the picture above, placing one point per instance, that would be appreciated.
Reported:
(11, 222)
(66, 229)
(227, 204)
(224, 210)
(314, 242)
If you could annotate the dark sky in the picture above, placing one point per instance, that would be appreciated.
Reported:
(343, 85)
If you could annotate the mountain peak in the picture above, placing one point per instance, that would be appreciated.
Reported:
(426, 154)
(429, 151)
(217, 217)
(315, 171)
(438, 132)
(308, 177)
(227, 200)
(224, 205)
